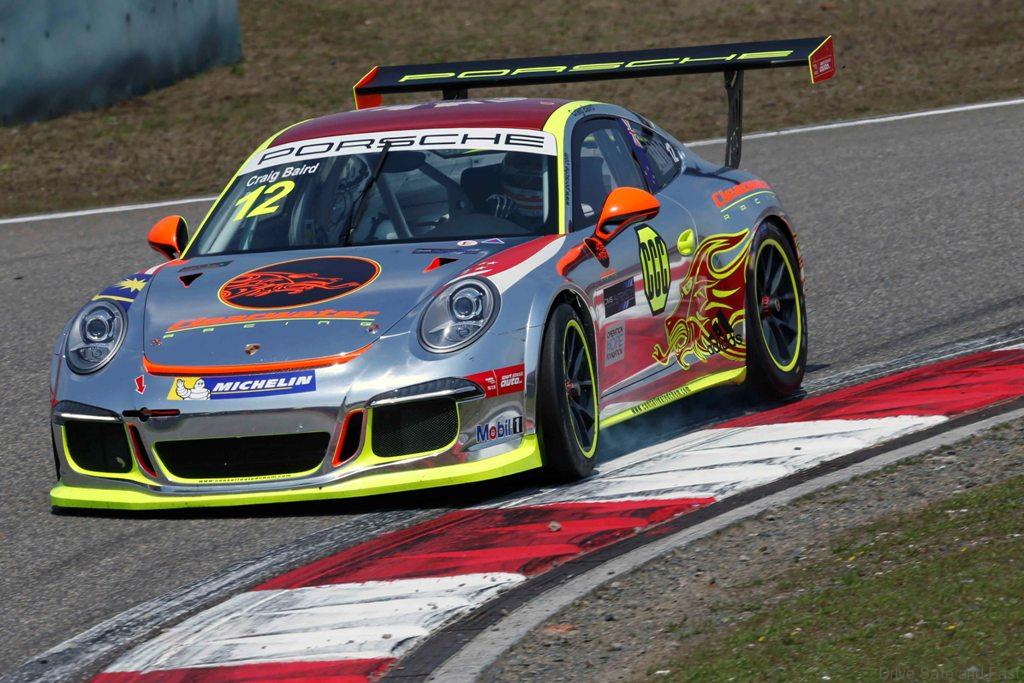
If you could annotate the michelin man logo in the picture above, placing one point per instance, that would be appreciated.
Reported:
(196, 392)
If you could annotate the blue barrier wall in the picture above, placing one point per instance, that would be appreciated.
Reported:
(58, 56)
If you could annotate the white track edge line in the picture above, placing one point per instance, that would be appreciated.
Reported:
(697, 143)
(887, 118)
(108, 209)
(489, 645)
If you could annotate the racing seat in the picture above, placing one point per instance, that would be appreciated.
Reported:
(479, 183)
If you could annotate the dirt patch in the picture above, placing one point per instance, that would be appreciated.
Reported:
(302, 57)
(701, 596)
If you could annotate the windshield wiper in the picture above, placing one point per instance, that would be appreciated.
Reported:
(364, 196)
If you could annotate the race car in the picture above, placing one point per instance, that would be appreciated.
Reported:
(415, 295)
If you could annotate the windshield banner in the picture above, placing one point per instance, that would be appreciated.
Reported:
(498, 139)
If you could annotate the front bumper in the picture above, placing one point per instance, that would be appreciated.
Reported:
(525, 456)
(148, 478)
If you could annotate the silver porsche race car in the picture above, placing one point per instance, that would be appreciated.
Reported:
(416, 295)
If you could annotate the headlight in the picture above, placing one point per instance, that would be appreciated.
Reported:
(95, 336)
(458, 316)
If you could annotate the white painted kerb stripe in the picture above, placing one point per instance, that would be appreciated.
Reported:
(370, 620)
(722, 462)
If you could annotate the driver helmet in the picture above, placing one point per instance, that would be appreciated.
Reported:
(522, 181)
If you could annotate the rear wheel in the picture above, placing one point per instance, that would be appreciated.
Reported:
(567, 417)
(776, 327)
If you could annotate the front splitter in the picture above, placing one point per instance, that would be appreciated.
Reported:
(525, 457)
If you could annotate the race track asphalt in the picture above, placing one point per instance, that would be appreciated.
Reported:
(912, 236)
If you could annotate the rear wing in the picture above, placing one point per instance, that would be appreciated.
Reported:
(454, 79)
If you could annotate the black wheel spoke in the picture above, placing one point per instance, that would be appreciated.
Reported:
(579, 388)
(776, 279)
(778, 307)
(577, 364)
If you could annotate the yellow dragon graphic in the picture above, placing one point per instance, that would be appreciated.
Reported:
(711, 305)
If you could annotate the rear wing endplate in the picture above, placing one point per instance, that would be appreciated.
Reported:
(454, 79)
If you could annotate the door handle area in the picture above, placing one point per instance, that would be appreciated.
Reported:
(687, 242)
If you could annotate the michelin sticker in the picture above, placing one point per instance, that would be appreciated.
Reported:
(241, 386)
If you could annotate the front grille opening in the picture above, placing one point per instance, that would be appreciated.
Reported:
(99, 446)
(140, 452)
(414, 427)
(351, 437)
(242, 457)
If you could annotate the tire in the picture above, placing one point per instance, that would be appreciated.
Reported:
(776, 326)
(567, 424)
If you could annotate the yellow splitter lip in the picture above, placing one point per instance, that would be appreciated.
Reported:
(525, 457)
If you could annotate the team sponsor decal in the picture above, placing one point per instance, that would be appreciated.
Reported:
(502, 381)
(711, 305)
(499, 429)
(467, 243)
(125, 291)
(301, 282)
(241, 386)
(497, 139)
(722, 198)
(619, 297)
(615, 344)
(327, 314)
(655, 266)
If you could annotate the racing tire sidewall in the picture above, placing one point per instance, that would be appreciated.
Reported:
(766, 375)
(564, 458)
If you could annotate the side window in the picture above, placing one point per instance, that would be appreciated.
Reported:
(662, 158)
(602, 161)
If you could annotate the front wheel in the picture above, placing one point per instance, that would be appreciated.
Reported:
(776, 327)
(567, 416)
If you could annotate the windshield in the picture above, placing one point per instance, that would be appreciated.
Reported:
(486, 183)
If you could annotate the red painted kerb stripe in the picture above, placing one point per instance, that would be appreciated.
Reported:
(525, 540)
(950, 387)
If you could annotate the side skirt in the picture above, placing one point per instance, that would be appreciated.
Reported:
(733, 376)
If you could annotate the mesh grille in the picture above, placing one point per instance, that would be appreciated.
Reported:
(248, 456)
(99, 447)
(414, 427)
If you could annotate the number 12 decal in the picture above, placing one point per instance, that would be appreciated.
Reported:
(274, 194)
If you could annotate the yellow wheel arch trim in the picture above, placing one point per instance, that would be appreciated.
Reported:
(523, 458)
(573, 325)
(799, 307)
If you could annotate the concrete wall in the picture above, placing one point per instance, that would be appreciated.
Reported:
(58, 56)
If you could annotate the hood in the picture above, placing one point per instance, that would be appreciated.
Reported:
(284, 307)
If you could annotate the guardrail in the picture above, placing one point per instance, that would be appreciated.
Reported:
(58, 56)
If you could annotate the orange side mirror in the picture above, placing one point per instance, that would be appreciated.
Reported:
(623, 206)
(168, 236)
